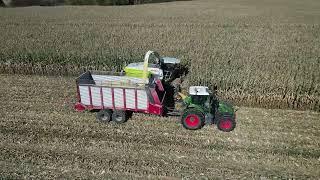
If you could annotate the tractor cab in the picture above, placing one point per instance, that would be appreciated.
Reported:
(200, 95)
(201, 98)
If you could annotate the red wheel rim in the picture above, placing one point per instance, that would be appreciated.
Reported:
(192, 120)
(225, 124)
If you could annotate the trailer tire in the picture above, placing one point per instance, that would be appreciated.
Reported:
(119, 116)
(104, 115)
(192, 120)
(226, 123)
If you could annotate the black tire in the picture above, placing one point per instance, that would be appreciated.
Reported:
(226, 123)
(192, 120)
(119, 116)
(104, 115)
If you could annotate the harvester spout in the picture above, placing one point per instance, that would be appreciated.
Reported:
(145, 65)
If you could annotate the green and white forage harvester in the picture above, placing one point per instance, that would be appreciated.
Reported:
(151, 87)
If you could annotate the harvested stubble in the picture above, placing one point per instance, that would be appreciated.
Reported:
(42, 137)
(258, 53)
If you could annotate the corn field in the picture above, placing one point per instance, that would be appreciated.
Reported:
(264, 54)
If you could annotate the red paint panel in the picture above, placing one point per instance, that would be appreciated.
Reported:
(112, 92)
(155, 96)
(159, 85)
(79, 107)
(90, 94)
(91, 107)
(124, 98)
(136, 99)
(101, 94)
(155, 109)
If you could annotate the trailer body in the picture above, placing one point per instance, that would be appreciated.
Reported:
(97, 92)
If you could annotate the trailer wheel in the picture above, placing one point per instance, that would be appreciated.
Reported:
(192, 120)
(226, 123)
(119, 117)
(104, 116)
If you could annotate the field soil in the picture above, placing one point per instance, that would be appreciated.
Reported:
(43, 137)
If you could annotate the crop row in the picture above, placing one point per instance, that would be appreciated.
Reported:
(252, 61)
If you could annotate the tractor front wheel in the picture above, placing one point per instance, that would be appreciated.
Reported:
(192, 120)
(226, 123)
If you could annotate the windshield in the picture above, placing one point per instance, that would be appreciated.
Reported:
(153, 59)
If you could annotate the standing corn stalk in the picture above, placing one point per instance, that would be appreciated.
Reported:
(7, 2)
(12, 3)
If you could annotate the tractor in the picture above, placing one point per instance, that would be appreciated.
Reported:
(202, 107)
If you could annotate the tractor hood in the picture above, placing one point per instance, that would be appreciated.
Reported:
(226, 108)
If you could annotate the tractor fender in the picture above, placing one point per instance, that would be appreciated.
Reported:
(194, 107)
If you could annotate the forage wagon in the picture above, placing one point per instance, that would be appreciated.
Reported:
(147, 87)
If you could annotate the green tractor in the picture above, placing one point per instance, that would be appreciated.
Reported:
(202, 107)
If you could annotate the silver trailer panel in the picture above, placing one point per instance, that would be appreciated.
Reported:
(122, 98)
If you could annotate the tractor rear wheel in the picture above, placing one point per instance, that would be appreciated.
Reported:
(226, 123)
(192, 120)
(119, 116)
(104, 116)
